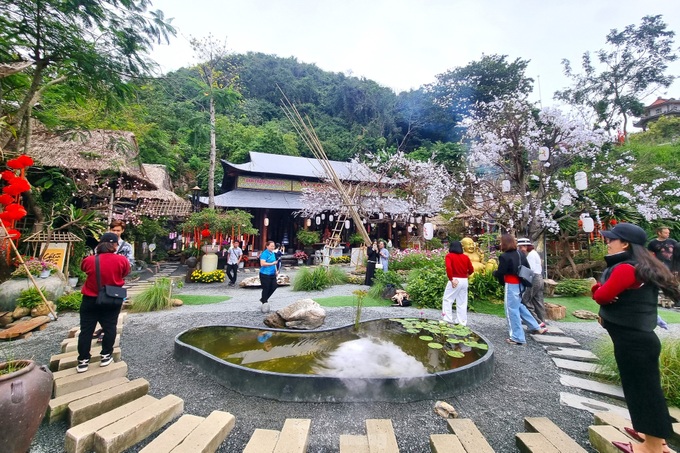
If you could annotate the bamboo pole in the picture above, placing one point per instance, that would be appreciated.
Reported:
(30, 276)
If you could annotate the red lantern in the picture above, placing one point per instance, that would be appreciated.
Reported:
(25, 161)
(205, 233)
(8, 175)
(6, 199)
(17, 186)
(14, 211)
(13, 234)
(613, 222)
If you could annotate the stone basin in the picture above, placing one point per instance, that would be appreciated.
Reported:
(382, 361)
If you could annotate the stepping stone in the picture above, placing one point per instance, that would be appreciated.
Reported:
(555, 340)
(58, 407)
(580, 367)
(23, 327)
(534, 443)
(95, 357)
(294, 436)
(591, 405)
(572, 354)
(560, 440)
(612, 419)
(209, 434)
(80, 438)
(613, 391)
(350, 444)
(71, 344)
(68, 381)
(445, 443)
(264, 441)
(675, 413)
(174, 435)
(469, 435)
(602, 436)
(127, 431)
(92, 406)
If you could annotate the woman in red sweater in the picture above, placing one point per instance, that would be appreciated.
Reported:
(628, 297)
(458, 269)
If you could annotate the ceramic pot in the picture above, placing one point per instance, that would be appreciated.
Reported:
(192, 261)
(44, 274)
(73, 282)
(24, 396)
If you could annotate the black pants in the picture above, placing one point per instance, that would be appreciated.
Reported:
(90, 315)
(268, 286)
(232, 270)
(637, 356)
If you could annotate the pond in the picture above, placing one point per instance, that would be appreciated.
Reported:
(403, 359)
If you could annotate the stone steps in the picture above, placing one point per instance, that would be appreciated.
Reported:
(293, 438)
(552, 434)
(472, 440)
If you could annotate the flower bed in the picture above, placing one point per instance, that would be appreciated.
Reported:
(216, 276)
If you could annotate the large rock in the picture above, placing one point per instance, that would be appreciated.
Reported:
(305, 314)
(43, 310)
(584, 314)
(55, 285)
(254, 282)
(275, 321)
(20, 312)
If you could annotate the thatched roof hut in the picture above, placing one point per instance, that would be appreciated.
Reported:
(162, 201)
(92, 152)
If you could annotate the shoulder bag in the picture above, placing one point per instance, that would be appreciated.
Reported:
(525, 274)
(109, 295)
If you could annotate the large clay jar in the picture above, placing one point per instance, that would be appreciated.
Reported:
(24, 396)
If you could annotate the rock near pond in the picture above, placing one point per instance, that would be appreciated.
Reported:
(305, 314)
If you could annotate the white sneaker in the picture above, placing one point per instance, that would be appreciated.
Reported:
(106, 360)
(265, 307)
(83, 365)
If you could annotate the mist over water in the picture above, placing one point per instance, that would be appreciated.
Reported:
(370, 358)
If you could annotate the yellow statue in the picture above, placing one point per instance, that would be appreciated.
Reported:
(472, 251)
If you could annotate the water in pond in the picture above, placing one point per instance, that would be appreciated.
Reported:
(381, 348)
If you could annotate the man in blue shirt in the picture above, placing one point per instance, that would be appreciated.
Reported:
(268, 274)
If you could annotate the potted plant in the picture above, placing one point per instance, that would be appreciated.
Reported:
(300, 256)
(356, 240)
(25, 391)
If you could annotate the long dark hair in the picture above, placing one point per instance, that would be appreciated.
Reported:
(456, 247)
(508, 243)
(652, 271)
(106, 247)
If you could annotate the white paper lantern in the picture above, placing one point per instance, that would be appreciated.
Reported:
(318, 220)
(505, 185)
(380, 215)
(409, 229)
(428, 231)
(419, 219)
(266, 221)
(588, 223)
(581, 180)
(323, 216)
(543, 153)
(309, 222)
(330, 217)
(411, 219)
(347, 224)
(565, 200)
(394, 224)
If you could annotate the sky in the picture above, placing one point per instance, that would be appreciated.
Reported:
(404, 44)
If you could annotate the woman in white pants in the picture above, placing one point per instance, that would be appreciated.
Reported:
(458, 269)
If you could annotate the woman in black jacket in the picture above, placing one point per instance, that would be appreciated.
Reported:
(628, 298)
(506, 274)
(372, 254)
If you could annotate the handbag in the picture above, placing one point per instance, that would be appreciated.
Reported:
(379, 265)
(108, 295)
(525, 274)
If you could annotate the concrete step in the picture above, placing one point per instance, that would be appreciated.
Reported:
(57, 408)
(602, 436)
(612, 419)
(69, 380)
(353, 444)
(92, 406)
(558, 438)
(445, 443)
(71, 344)
(263, 441)
(580, 367)
(95, 357)
(613, 391)
(534, 443)
(174, 435)
(580, 355)
(127, 431)
(591, 405)
(555, 340)
(80, 438)
(209, 434)
(294, 436)
(469, 435)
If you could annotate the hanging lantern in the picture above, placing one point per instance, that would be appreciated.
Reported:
(505, 185)
(394, 224)
(588, 223)
(318, 220)
(409, 228)
(205, 233)
(323, 216)
(380, 215)
(581, 180)
(419, 219)
(428, 231)
(363, 220)
(309, 222)
(266, 221)
(330, 218)
(6, 199)
(411, 219)
(347, 224)
(565, 200)
(543, 153)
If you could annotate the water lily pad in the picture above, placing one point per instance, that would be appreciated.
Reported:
(455, 354)
(454, 340)
(413, 330)
(434, 345)
(426, 338)
(474, 344)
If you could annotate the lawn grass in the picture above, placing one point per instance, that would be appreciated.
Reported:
(195, 299)
(487, 307)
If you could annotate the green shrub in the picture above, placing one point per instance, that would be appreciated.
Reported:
(355, 279)
(308, 238)
(344, 259)
(356, 240)
(484, 286)
(669, 366)
(318, 279)
(156, 297)
(426, 286)
(573, 287)
(433, 244)
(30, 298)
(70, 301)
(382, 279)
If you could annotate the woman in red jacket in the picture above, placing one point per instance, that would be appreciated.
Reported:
(112, 270)
(458, 269)
(628, 297)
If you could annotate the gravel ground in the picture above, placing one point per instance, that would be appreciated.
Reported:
(525, 382)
